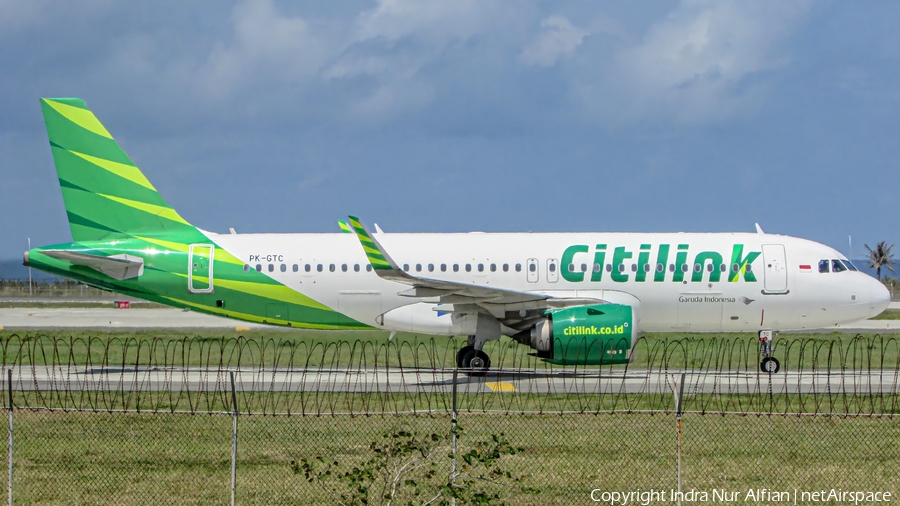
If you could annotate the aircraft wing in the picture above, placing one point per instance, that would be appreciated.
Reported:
(116, 266)
(450, 292)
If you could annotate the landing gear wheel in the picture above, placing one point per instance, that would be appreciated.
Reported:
(476, 362)
(461, 354)
(770, 365)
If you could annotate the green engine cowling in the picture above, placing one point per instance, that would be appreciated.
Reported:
(602, 334)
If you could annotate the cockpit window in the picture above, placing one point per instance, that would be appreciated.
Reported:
(849, 265)
(837, 266)
(824, 265)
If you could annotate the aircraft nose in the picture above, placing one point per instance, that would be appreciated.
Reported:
(879, 297)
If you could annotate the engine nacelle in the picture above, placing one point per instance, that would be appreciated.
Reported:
(601, 334)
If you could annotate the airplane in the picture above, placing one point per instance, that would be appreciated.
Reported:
(574, 298)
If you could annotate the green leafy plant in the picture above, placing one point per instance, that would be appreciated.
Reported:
(405, 467)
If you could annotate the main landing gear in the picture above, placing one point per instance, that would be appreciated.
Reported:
(471, 358)
(474, 361)
(769, 363)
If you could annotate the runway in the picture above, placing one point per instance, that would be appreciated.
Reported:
(411, 380)
(111, 318)
(170, 318)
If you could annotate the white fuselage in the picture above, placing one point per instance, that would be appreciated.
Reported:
(693, 286)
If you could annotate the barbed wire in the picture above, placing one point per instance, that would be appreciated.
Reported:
(827, 375)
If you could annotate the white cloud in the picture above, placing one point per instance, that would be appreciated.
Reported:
(558, 38)
(270, 45)
(703, 63)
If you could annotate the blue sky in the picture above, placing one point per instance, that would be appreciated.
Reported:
(470, 115)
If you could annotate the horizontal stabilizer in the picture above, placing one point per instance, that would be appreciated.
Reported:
(117, 266)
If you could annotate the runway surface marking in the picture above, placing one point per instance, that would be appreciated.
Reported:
(500, 386)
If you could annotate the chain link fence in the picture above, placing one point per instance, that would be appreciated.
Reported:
(359, 423)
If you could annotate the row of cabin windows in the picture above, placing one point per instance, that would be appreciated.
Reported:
(659, 267)
(835, 265)
(531, 267)
(356, 268)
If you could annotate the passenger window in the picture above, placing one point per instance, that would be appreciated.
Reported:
(532, 267)
(552, 267)
(480, 267)
(597, 268)
(406, 267)
(736, 267)
(646, 267)
(331, 267)
(283, 268)
(271, 267)
(246, 267)
(455, 267)
(493, 267)
(684, 267)
(633, 267)
(749, 268)
(583, 267)
(505, 267)
(368, 267)
(355, 267)
(344, 267)
(443, 267)
(319, 267)
(837, 266)
(468, 267)
(430, 267)
(698, 267)
(722, 267)
(518, 267)
(307, 268)
(608, 267)
(295, 268)
(660, 267)
(621, 267)
(571, 267)
(418, 267)
(824, 266)
(258, 267)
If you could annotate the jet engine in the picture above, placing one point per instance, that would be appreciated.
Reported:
(601, 334)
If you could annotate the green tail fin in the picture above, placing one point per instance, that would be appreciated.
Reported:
(105, 194)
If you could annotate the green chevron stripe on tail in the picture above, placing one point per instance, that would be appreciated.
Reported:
(105, 194)
(375, 255)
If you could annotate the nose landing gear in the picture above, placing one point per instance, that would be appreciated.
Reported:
(769, 363)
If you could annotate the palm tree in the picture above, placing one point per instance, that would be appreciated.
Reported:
(880, 257)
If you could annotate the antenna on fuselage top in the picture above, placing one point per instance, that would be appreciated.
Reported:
(759, 229)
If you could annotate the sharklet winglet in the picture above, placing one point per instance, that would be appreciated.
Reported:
(381, 262)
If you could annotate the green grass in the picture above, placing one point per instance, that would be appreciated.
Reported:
(124, 459)
(888, 314)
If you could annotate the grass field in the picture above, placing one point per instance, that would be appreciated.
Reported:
(103, 458)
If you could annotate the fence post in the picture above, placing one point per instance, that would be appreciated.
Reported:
(453, 429)
(679, 392)
(234, 423)
(9, 448)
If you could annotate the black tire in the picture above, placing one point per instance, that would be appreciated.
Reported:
(461, 354)
(770, 365)
(482, 362)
